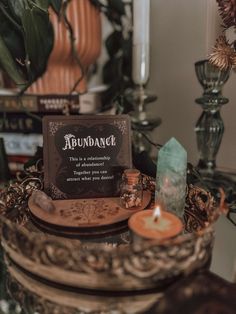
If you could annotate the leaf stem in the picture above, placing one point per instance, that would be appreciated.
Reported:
(72, 40)
(17, 26)
(38, 7)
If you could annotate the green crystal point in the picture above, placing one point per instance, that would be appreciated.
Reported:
(171, 176)
(173, 156)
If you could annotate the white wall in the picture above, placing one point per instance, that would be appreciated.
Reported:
(181, 33)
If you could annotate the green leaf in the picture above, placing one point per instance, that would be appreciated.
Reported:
(112, 70)
(43, 4)
(38, 36)
(56, 5)
(8, 64)
(4, 2)
(117, 5)
(113, 43)
(10, 16)
(12, 37)
(113, 17)
(16, 8)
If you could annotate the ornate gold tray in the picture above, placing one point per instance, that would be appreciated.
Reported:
(113, 263)
(34, 296)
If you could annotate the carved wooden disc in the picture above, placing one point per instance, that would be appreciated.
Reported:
(86, 213)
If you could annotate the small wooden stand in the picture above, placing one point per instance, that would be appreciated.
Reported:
(85, 217)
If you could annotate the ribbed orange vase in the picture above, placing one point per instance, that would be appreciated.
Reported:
(63, 71)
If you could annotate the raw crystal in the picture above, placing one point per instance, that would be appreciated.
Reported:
(41, 199)
(171, 176)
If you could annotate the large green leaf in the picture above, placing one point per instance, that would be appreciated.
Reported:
(43, 4)
(117, 5)
(16, 8)
(9, 65)
(56, 4)
(113, 43)
(27, 37)
(12, 37)
(38, 36)
(112, 70)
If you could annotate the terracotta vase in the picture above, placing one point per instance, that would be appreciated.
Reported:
(63, 71)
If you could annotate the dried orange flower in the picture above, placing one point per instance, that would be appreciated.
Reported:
(223, 55)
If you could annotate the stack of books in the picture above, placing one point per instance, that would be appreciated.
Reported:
(21, 122)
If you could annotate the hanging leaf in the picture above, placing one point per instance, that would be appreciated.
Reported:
(127, 58)
(43, 4)
(9, 65)
(56, 5)
(16, 9)
(38, 36)
(113, 17)
(117, 6)
(113, 43)
(117, 70)
(13, 37)
(112, 70)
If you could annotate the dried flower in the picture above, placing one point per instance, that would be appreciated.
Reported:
(223, 55)
(227, 10)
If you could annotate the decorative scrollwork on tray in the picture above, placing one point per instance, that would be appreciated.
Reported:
(141, 265)
(160, 262)
(146, 264)
(48, 302)
(200, 209)
(32, 303)
(14, 199)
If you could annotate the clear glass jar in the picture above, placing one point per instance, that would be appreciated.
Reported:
(131, 188)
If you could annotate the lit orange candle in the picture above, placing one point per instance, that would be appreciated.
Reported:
(155, 224)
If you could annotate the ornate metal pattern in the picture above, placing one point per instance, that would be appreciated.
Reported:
(132, 266)
(200, 209)
(13, 200)
(32, 303)
(140, 266)
(35, 297)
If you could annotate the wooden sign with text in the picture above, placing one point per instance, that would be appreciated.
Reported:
(84, 156)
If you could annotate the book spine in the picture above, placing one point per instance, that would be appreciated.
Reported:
(58, 103)
(11, 103)
(20, 123)
(40, 103)
(21, 144)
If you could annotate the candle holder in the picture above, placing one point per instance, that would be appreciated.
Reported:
(143, 121)
(210, 126)
(146, 226)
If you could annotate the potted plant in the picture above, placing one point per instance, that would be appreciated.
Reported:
(34, 39)
(27, 37)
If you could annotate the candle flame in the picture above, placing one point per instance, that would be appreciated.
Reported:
(156, 213)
